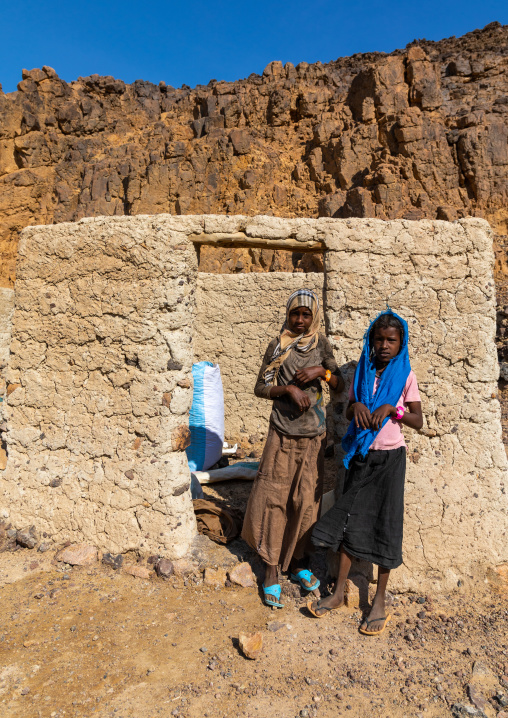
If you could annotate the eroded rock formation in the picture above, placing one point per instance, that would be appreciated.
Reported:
(417, 133)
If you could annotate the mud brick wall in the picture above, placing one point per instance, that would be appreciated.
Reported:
(237, 315)
(100, 383)
(100, 367)
(437, 275)
(6, 308)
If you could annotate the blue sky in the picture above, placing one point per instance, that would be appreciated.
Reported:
(196, 41)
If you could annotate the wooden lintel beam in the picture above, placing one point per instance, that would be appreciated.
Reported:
(239, 239)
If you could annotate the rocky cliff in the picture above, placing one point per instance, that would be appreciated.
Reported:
(421, 132)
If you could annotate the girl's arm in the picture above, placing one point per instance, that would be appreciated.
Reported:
(299, 397)
(412, 418)
(360, 413)
(264, 391)
(303, 376)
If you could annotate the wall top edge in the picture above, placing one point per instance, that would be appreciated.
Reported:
(258, 225)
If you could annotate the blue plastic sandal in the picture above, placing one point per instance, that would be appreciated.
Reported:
(306, 575)
(274, 591)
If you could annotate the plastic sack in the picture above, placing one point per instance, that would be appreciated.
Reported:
(206, 420)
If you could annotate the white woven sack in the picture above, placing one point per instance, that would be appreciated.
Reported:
(206, 419)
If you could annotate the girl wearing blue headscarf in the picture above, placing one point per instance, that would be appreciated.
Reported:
(366, 522)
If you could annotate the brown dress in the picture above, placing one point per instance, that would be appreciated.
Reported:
(286, 495)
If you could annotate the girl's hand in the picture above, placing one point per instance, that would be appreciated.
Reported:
(304, 376)
(380, 414)
(361, 415)
(299, 397)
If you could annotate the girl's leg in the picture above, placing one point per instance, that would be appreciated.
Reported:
(271, 575)
(378, 610)
(297, 564)
(271, 587)
(310, 485)
(337, 597)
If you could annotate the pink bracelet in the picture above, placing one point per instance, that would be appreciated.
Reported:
(400, 413)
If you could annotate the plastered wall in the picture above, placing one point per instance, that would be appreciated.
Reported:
(99, 383)
(237, 315)
(102, 347)
(437, 275)
(6, 309)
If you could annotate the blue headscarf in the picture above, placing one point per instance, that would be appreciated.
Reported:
(391, 384)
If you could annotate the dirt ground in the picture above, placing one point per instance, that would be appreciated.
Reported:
(92, 641)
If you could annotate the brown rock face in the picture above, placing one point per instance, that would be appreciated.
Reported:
(417, 133)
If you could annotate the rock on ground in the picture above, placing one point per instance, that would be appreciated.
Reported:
(27, 537)
(251, 644)
(164, 567)
(215, 577)
(242, 575)
(138, 571)
(78, 555)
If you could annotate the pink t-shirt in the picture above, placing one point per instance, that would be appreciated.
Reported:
(391, 436)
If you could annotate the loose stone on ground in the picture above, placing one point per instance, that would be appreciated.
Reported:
(78, 555)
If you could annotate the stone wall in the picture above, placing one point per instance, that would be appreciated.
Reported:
(437, 275)
(100, 384)
(6, 308)
(100, 364)
(236, 317)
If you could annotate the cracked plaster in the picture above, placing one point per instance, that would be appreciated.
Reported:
(94, 358)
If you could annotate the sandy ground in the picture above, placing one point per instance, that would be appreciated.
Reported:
(92, 641)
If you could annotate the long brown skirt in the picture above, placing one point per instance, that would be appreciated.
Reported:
(286, 497)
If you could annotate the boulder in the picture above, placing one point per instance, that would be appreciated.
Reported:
(241, 141)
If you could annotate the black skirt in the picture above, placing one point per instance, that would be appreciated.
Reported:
(368, 518)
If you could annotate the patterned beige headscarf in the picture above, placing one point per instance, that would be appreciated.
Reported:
(288, 340)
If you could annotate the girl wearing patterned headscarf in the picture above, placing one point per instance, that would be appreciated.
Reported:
(286, 496)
